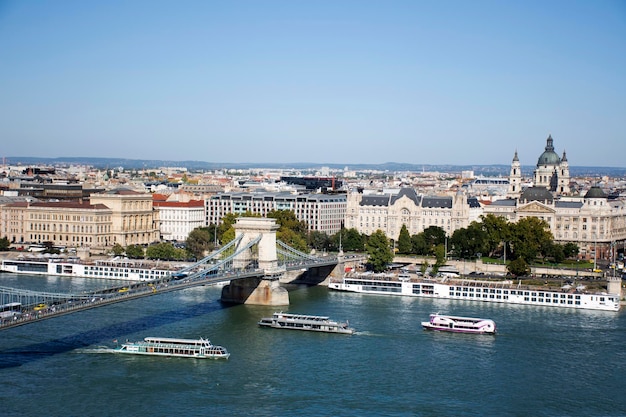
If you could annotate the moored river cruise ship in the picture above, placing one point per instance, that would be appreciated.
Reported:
(165, 346)
(116, 268)
(475, 290)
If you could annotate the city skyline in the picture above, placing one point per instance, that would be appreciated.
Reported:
(320, 82)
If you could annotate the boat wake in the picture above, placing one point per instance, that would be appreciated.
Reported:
(99, 349)
(366, 333)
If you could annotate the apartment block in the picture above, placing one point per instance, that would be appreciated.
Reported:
(321, 212)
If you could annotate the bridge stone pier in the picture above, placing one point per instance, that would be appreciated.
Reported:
(264, 290)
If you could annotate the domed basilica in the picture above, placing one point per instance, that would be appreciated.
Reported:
(551, 173)
(596, 223)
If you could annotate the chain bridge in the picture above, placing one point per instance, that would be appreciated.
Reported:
(252, 265)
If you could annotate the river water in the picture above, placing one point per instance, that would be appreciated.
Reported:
(542, 362)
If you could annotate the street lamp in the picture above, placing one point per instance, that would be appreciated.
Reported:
(595, 252)
(613, 251)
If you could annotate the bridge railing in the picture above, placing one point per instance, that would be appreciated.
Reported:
(211, 269)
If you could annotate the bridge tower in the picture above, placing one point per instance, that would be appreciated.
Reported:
(614, 285)
(265, 290)
(250, 228)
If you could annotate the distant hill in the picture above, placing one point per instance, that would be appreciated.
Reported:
(486, 170)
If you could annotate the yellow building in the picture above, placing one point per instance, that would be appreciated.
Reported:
(133, 218)
(12, 225)
(60, 223)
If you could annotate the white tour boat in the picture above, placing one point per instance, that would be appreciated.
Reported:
(305, 322)
(457, 324)
(164, 346)
(475, 290)
(122, 269)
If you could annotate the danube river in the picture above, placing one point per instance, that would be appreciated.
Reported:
(542, 362)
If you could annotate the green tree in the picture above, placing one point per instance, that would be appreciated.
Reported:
(434, 235)
(440, 255)
(518, 267)
(4, 244)
(528, 237)
(287, 219)
(292, 238)
(570, 250)
(353, 240)
(319, 240)
(291, 231)
(558, 253)
(404, 241)
(554, 251)
(497, 231)
(227, 223)
(164, 250)
(134, 251)
(419, 244)
(466, 243)
(199, 241)
(228, 236)
(118, 250)
(378, 250)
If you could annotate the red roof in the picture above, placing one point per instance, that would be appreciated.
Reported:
(70, 204)
(159, 197)
(191, 203)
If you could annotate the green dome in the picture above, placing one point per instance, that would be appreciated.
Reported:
(595, 192)
(549, 157)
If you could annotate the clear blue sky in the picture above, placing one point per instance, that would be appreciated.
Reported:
(338, 81)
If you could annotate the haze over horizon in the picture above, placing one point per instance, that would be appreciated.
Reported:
(325, 82)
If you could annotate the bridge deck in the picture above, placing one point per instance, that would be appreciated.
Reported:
(80, 302)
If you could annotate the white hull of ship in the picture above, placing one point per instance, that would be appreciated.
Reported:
(79, 270)
(500, 294)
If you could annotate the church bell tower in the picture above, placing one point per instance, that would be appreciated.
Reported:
(515, 178)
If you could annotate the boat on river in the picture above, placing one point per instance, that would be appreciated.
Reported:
(165, 346)
(456, 324)
(305, 322)
(115, 268)
(495, 291)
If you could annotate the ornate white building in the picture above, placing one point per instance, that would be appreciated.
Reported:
(389, 212)
(594, 222)
(552, 172)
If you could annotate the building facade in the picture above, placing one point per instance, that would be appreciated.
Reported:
(134, 221)
(58, 223)
(552, 172)
(12, 221)
(594, 222)
(368, 213)
(177, 219)
(321, 212)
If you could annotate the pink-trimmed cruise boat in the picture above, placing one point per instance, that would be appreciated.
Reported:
(459, 324)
